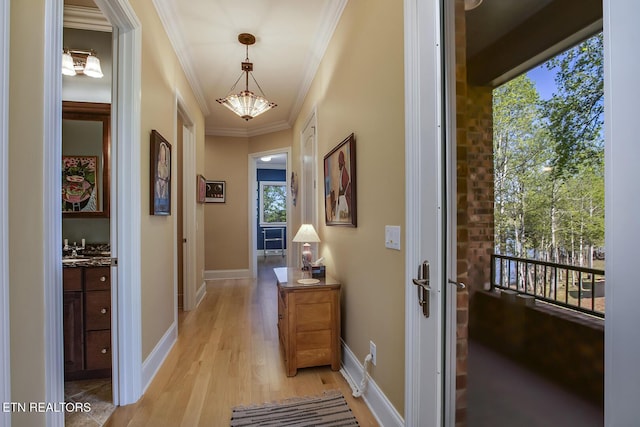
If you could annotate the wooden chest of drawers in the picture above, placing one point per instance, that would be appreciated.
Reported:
(308, 321)
(87, 322)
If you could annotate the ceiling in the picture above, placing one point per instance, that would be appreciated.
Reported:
(504, 37)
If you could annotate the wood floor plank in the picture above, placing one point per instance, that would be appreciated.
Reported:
(228, 354)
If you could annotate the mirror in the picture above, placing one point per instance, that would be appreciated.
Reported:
(86, 147)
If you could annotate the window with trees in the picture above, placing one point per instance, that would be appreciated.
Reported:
(273, 203)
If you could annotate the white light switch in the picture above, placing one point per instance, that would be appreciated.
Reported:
(392, 236)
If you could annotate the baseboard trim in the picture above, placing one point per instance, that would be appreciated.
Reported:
(200, 293)
(226, 274)
(156, 358)
(380, 406)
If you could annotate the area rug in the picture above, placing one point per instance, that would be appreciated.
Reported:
(330, 409)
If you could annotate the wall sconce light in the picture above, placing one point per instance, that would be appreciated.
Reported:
(76, 61)
(306, 234)
(246, 104)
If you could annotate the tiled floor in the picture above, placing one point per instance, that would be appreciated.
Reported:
(501, 393)
(97, 393)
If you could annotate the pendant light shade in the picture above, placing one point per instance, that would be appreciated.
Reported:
(246, 104)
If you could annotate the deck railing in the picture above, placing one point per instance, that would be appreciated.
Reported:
(577, 288)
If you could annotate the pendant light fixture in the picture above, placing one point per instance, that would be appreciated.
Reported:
(246, 104)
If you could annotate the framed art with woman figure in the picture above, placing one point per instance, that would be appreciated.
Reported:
(160, 191)
(340, 184)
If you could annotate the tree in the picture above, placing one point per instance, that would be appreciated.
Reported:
(548, 162)
(518, 152)
(576, 111)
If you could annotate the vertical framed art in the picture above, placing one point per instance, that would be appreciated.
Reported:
(340, 184)
(160, 176)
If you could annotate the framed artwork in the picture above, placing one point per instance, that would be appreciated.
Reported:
(201, 188)
(340, 184)
(216, 191)
(79, 184)
(85, 159)
(160, 176)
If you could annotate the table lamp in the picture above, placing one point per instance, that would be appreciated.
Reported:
(306, 235)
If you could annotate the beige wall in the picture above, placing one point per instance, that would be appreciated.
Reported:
(359, 88)
(26, 230)
(227, 224)
(163, 77)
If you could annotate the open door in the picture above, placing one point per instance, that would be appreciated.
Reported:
(429, 298)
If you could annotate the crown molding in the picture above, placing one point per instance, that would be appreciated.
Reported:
(166, 12)
(249, 132)
(85, 18)
(330, 18)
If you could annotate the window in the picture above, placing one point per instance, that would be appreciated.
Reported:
(273, 203)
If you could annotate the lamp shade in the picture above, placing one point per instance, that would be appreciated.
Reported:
(306, 234)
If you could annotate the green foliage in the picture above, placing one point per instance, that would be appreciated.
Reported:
(549, 161)
(576, 112)
(275, 203)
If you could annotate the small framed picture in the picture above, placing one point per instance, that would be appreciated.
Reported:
(215, 192)
(201, 186)
(160, 177)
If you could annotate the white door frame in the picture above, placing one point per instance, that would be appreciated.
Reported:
(427, 394)
(52, 235)
(253, 206)
(5, 354)
(125, 208)
(188, 207)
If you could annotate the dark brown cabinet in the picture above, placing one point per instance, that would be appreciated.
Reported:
(87, 322)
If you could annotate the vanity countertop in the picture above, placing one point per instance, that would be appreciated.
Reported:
(84, 261)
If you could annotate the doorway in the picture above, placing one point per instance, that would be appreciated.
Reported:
(87, 224)
(270, 205)
(125, 205)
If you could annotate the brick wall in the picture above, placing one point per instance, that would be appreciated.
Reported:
(462, 231)
(475, 197)
(480, 185)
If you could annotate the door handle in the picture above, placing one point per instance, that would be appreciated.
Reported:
(422, 282)
(458, 284)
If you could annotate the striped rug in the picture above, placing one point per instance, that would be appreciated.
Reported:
(330, 410)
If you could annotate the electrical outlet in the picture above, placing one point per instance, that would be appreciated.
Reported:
(372, 352)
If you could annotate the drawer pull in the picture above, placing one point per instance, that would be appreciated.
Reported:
(103, 278)
(104, 350)
(104, 310)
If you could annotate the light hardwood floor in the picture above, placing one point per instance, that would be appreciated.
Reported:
(228, 354)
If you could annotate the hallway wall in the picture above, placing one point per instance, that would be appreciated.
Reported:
(359, 88)
(226, 224)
